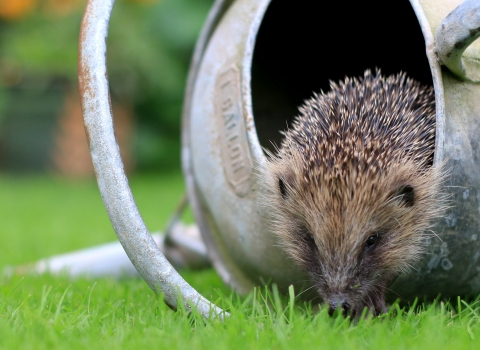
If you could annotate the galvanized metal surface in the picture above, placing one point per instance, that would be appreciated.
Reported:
(219, 136)
(222, 148)
(451, 265)
(227, 270)
(112, 182)
(456, 32)
(184, 249)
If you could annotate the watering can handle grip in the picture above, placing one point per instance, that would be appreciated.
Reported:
(112, 181)
(456, 32)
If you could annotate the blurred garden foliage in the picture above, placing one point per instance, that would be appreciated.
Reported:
(149, 49)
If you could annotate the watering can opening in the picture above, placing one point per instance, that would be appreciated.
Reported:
(252, 69)
(300, 48)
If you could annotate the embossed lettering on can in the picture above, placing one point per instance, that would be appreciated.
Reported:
(237, 162)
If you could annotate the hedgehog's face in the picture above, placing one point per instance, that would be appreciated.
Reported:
(353, 240)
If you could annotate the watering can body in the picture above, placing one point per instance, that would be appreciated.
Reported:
(223, 159)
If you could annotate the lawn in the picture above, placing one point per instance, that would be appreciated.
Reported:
(43, 216)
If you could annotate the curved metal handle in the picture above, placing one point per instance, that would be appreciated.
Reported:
(112, 182)
(456, 32)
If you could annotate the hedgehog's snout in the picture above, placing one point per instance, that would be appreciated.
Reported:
(338, 302)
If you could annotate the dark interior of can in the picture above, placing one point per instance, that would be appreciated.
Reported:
(304, 44)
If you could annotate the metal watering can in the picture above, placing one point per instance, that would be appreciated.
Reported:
(245, 64)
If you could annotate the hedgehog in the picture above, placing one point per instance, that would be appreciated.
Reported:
(352, 189)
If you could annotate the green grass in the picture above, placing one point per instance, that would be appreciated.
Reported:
(41, 216)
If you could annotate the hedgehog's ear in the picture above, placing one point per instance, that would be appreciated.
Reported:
(406, 194)
(285, 183)
(283, 188)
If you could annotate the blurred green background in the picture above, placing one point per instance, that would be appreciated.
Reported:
(149, 48)
(50, 203)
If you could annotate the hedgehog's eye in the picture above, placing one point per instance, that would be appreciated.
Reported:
(371, 241)
(407, 195)
(305, 234)
(283, 188)
(307, 237)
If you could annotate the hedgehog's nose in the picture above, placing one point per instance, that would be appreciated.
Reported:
(339, 303)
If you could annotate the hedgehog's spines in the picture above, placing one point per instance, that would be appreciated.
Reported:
(341, 174)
